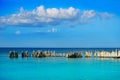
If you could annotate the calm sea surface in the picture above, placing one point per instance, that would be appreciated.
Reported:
(58, 68)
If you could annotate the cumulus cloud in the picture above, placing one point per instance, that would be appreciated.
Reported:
(89, 14)
(51, 16)
(52, 30)
(105, 15)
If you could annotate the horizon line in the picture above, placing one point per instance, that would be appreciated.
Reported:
(59, 47)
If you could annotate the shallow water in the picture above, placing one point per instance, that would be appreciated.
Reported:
(59, 68)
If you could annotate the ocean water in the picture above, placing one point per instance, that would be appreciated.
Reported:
(58, 68)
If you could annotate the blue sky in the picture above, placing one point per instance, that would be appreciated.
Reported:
(62, 23)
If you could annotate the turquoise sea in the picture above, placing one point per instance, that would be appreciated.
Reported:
(58, 68)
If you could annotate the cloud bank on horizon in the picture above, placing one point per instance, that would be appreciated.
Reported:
(42, 16)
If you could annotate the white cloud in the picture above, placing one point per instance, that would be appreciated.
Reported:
(18, 32)
(52, 30)
(89, 14)
(51, 16)
(105, 15)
